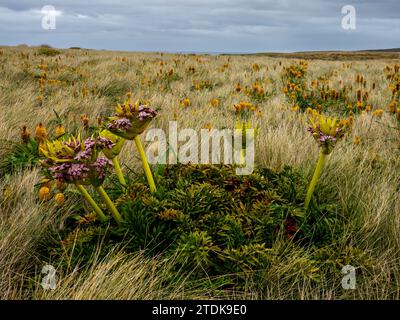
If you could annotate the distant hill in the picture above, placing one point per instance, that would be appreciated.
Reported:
(389, 54)
(381, 50)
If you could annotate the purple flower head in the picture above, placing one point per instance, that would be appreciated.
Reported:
(122, 124)
(60, 177)
(90, 143)
(143, 116)
(146, 113)
(70, 172)
(60, 167)
(100, 165)
(83, 155)
(77, 171)
(132, 108)
(105, 143)
(72, 145)
(324, 139)
(147, 110)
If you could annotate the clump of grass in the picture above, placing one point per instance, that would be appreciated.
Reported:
(48, 51)
(24, 226)
(107, 277)
(18, 156)
(114, 89)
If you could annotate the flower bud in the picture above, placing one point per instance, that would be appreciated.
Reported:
(44, 194)
(60, 130)
(59, 199)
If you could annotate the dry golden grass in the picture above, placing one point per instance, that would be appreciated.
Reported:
(120, 276)
(363, 178)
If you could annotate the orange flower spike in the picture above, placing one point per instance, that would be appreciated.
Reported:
(25, 134)
(40, 133)
(85, 121)
(44, 194)
(215, 103)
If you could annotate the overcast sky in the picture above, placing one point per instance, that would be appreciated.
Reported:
(203, 25)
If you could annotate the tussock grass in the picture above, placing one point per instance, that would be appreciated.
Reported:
(121, 276)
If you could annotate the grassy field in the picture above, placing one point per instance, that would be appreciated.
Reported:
(264, 245)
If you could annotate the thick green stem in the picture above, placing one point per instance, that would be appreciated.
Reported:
(145, 164)
(110, 205)
(89, 199)
(317, 173)
(118, 171)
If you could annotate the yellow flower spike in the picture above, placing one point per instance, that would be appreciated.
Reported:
(59, 199)
(60, 130)
(377, 113)
(296, 108)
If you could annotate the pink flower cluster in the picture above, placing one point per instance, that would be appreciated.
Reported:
(84, 164)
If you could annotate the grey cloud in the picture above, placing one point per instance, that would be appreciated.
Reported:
(203, 25)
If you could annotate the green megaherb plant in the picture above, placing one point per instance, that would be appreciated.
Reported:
(212, 221)
(76, 161)
(327, 132)
(129, 121)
